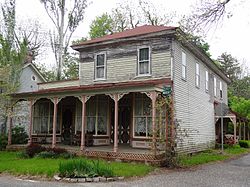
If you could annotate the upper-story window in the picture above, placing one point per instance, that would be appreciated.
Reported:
(215, 87)
(197, 75)
(206, 81)
(221, 93)
(100, 66)
(144, 61)
(183, 66)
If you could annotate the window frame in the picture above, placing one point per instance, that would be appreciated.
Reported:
(206, 81)
(221, 90)
(183, 66)
(149, 61)
(104, 65)
(215, 86)
(197, 75)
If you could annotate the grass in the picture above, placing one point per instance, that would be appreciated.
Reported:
(10, 163)
(211, 156)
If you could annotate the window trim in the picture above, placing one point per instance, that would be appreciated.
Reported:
(183, 66)
(221, 90)
(206, 81)
(197, 84)
(105, 66)
(138, 61)
(215, 86)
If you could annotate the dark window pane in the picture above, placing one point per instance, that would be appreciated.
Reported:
(100, 60)
(100, 72)
(144, 67)
(144, 54)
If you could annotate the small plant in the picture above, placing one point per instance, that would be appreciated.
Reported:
(19, 135)
(22, 155)
(84, 168)
(3, 141)
(34, 149)
(67, 155)
(46, 154)
(56, 150)
(244, 143)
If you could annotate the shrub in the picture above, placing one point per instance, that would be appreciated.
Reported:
(3, 141)
(46, 154)
(22, 155)
(33, 149)
(57, 151)
(19, 135)
(225, 146)
(67, 155)
(244, 143)
(84, 168)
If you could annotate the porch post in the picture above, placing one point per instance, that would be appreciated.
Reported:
(31, 121)
(9, 123)
(153, 98)
(239, 130)
(234, 123)
(83, 122)
(244, 130)
(116, 123)
(55, 101)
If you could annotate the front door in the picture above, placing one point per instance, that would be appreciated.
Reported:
(124, 124)
(67, 125)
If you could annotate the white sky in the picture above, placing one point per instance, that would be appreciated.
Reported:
(232, 36)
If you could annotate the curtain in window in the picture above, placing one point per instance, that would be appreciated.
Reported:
(78, 123)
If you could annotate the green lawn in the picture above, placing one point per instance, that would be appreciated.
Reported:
(10, 163)
(211, 156)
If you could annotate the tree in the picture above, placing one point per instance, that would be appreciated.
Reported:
(230, 66)
(128, 15)
(102, 25)
(66, 18)
(241, 87)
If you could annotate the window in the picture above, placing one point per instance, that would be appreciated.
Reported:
(221, 93)
(215, 87)
(197, 75)
(206, 81)
(142, 116)
(143, 61)
(100, 66)
(97, 112)
(183, 66)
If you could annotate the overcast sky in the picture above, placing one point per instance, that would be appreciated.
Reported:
(232, 36)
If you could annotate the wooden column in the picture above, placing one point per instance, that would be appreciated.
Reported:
(55, 101)
(234, 123)
(153, 99)
(239, 130)
(83, 99)
(9, 123)
(31, 103)
(244, 131)
(116, 123)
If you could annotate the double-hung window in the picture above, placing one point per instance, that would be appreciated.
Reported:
(215, 87)
(197, 75)
(206, 81)
(144, 61)
(100, 66)
(221, 93)
(183, 66)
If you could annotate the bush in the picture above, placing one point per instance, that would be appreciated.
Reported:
(84, 168)
(67, 155)
(22, 155)
(19, 135)
(225, 146)
(46, 154)
(244, 143)
(3, 141)
(57, 151)
(34, 149)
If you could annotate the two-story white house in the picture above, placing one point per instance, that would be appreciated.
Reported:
(114, 101)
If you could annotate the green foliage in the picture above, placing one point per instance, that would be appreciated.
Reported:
(46, 154)
(3, 141)
(240, 105)
(22, 155)
(71, 67)
(244, 143)
(84, 168)
(34, 149)
(241, 87)
(102, 25)
(19, 135)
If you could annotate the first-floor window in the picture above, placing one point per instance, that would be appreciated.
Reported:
(142, 116)
(96, 112)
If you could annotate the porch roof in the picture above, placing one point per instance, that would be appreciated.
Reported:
(94, 87)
